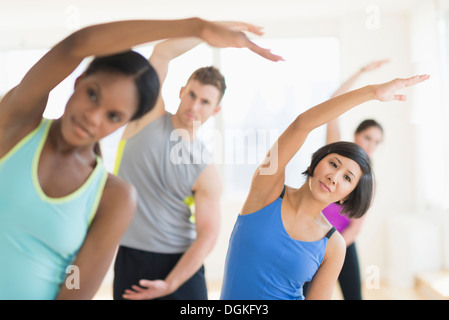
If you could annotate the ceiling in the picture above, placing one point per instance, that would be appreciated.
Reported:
(37, 23)
(47, 13)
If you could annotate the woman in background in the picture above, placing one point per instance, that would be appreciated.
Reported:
(368, 135)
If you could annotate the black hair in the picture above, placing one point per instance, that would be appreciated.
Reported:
(359, 200)
(368, 123)
(132, 64)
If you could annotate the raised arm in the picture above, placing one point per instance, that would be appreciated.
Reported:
(333, 127)
(268, 179)
(26, 102)
(163, 53)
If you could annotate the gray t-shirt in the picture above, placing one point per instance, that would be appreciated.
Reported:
(163, 169)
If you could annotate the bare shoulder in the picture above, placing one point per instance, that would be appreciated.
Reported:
(209, 179)
(118, 190)
(118, 196)
(336, 247)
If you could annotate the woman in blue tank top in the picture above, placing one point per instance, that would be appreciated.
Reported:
(61, 214)
(281, 238)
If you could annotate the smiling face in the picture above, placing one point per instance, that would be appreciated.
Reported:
(334, 178)
(198, 102)
(101, 103)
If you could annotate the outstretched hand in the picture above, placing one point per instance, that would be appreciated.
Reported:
(230, 34)
(241, 26)
(387, 91)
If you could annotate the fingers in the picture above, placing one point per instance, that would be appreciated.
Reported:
(145, 283)
(251, 28)
(265, 53)
(374, 65)
(242, 26)
(132, 295)
(400, 97)
(137, 288)
(387, 93)
(136, 292)
(255, 29)
(412, 80)
(221, 36)
(381, 62)
(416, 79)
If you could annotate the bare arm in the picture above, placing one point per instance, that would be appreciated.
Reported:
(114, 214)
(268, 179)
(323, 283)
(97, 40)
(163, 53)
(333, 128)
(207, 215)
(26, 102)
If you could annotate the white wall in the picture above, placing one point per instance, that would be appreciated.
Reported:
(392, 165)
(403, 235)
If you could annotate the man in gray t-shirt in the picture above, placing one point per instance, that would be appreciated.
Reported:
(165, 246)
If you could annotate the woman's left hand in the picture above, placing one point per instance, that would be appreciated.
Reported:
(387, 91)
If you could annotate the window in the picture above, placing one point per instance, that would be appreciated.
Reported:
(15, 64)
(263, 98)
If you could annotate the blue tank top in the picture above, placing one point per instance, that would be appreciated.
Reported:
(264, 263)
(40, 236)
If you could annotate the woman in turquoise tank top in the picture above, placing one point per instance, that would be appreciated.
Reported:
(61, 214)
(281, 239)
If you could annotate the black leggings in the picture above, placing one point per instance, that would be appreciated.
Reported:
(349, 277)
(131, 265)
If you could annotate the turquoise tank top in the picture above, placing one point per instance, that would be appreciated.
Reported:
(264, 263)
(39, 235)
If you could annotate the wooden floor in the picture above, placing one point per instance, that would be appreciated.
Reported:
(434, 285)
(384, 292)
